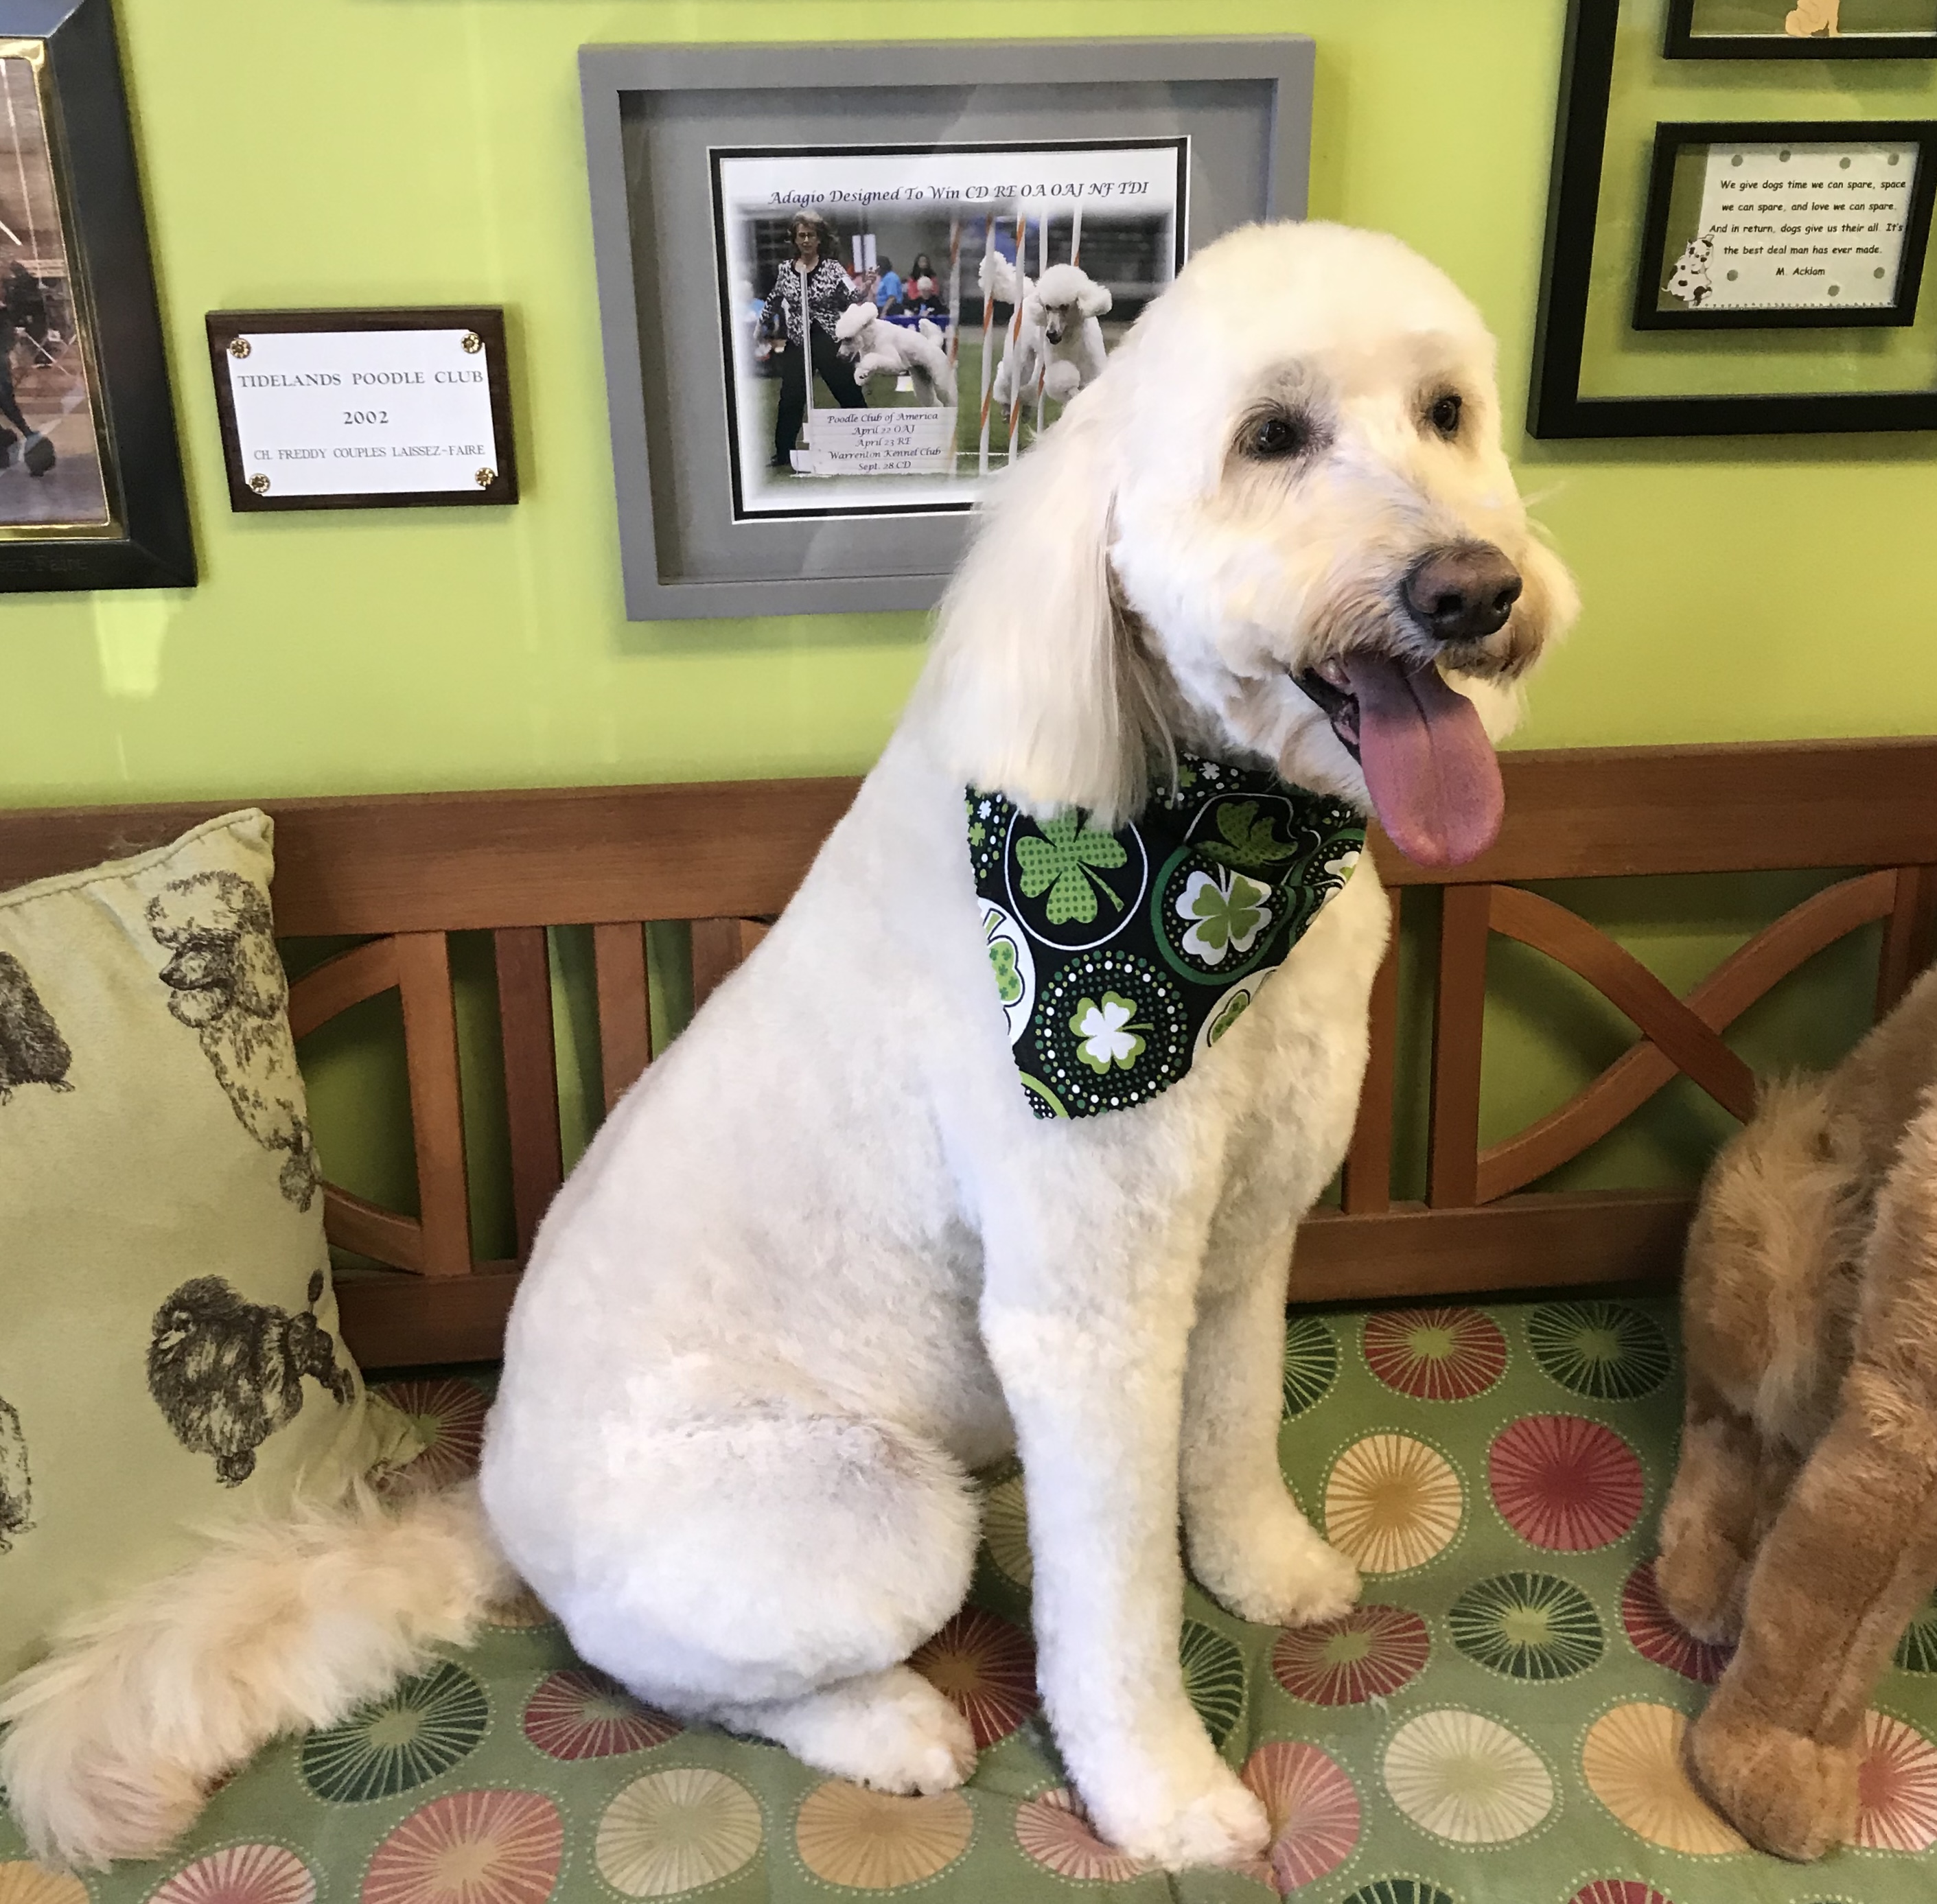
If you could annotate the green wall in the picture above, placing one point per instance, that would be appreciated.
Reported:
(415, 151)
(419, 151)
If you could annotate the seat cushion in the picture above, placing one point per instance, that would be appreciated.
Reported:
(1497, 1724)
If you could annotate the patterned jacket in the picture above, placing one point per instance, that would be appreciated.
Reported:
(828, 293)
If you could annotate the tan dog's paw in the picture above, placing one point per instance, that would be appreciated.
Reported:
(1700, 1577)
(1787, 1793)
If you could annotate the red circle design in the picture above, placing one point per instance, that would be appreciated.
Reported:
(1656, 1635)
(470, 1847)
(1563, 1483)
(985, 1667)
(1896, 1787)
(1052, 1829)
(1314, 1810)
(241, 1874)
(451, 1414)
(1435, 1355)
(1619, 1890)
(1366, 1653)
(580, 1714)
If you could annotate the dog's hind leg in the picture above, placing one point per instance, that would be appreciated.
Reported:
(768, 1562)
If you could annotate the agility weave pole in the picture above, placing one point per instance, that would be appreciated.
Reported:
(988, 322)
(1017, 396)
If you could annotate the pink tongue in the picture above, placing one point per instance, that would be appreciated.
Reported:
(1428, 763)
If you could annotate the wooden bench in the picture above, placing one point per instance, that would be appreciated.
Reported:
(400, 873)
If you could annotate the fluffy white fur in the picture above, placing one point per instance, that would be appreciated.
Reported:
(875, 345)
(822, 1261)
(114, 1740)
(1058, 340)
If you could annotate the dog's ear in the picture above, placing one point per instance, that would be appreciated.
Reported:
(1038, 686)
(1096, 300)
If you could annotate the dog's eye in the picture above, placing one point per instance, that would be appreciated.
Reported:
(1276, 435)
(1445, 415)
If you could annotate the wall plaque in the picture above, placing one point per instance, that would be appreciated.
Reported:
(363, 409)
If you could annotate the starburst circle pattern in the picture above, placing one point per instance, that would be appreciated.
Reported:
(673, 1831)
(1391, 1503)
(1213, 1676)
(873, 1841)
(985, 1669)
(579, 1713)
(1005, 1530)
(1631, 1760)
(1052, 1830)
(1896, 1787)
(241, 1874)
(1605, 1351)
(1367, 1653)
(1563, 1483)
(1400, 1891)
(1310, 1363)
(1314, 1813)
(470, 1848)
(1435, 1355)
(1618, 1891)
(426, 1726)
(1917, 1650)
(24, 1882)
(449, 1414)
(1658, 1636)
(1527, 1626)
(1466, 1778)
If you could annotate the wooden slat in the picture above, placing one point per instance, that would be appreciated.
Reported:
(459, 861)
(1720, 998)
(338, 984)
(437, 1103)
(625, 1025)
(394, 1322)
(531, 1075)
(1556, 1240)
(1907, 939)
(352, 1224)
(1627, 984)
(1367, 1186)
(1459, 1021)
(720, 946)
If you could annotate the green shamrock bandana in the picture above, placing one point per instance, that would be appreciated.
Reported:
(1122, 958)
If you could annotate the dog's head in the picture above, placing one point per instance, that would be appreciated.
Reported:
(217, 929)
(1066, 295)
(849, 325)
(1279, 524)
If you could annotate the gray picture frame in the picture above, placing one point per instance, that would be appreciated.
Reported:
(652, 115)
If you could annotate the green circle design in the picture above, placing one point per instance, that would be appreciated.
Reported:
(1607, 1351)
(1527, 1626)
(424, 1728)
(1400, 1891)
(1213, 1676)
(1917, 1650)
(1310, 1363)
(1005, 1529)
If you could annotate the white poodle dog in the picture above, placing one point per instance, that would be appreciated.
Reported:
(861, 333)
(1059, 339)
(822, 1261)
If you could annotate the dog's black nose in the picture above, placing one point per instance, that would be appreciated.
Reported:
(1462, 592)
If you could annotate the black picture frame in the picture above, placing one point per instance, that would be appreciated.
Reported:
(1682, 42)
(1673, 137)
(1556, 410)
(147, 542)
(487, 321)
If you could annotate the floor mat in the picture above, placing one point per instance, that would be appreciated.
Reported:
(1497, 1724)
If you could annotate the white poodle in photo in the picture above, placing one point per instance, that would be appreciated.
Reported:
(876, 345)
(1059, 339)
(822, 1261)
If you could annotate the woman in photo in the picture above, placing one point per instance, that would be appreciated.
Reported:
(806, 300)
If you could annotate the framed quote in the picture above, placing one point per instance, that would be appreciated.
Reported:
(815, 265)
(1734, 249)
(91, 490)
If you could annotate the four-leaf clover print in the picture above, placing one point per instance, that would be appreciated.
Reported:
(1227, 911)
(1247, 839)
(1009, 981)
(1106, 1034)
(1059, 863)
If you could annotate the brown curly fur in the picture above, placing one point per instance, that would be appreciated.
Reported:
(1802, 1521)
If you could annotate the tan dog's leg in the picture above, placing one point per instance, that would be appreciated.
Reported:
(1850, 1557)
(1708, 1526)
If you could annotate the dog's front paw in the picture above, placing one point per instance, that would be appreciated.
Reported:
(1223, 1824)
(1784, 1792)
(1700, 1577)
(1280, 1574)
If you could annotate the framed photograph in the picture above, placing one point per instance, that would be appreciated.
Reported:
(1722, 256)
(1761, 224)
(91, 493)
(383, 409)
(1801, 30)
(822, 286)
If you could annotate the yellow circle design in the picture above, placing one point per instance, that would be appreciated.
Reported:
(1391, 1503)
(673, 1831)
(872, 1840)
(1005, 1529)
(1632, 1761)
(22, 1882)
(1466, 1778)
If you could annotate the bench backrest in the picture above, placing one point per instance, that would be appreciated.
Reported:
(401, 872)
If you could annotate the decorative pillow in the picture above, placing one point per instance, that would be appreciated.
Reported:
(168, 1353)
